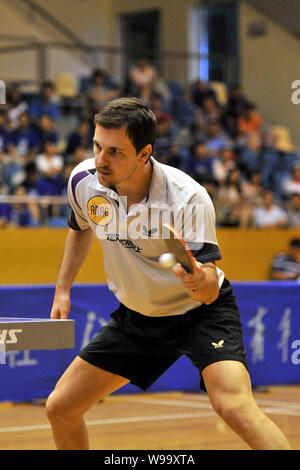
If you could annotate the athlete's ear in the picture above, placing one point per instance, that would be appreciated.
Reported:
(145, 153)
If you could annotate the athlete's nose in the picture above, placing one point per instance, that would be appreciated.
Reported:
(102, 161)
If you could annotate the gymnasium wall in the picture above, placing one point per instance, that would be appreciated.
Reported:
(89, 20)
(33, 256)
(269, 65)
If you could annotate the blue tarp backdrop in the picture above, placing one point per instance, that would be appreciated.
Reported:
(270, 316)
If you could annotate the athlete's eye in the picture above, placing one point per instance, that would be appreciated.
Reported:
(115, 152)
(97, 147)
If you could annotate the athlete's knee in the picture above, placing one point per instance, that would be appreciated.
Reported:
(56, 409)
(237, 409)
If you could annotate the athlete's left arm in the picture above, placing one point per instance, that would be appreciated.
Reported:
(202, 285)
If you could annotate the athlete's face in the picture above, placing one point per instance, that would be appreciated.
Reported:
(116, 159)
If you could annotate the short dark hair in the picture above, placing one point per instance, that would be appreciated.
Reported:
(295, 243)
(131, 113)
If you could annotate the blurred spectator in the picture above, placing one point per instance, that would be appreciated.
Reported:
(49, 166)
(82, 136)
(98, 95)
(291, 184)
(165, 135)
(200, 92)
(223, 165)
(23, 142)
(210, 112)
(16, 214)
(171, 156)
(201, 164)
(185, 110)
(229, 201)
(252, 189)
(157, 104)
(216, 140)
(249, 120)
(269, 214)
(46, 131)
(250, 157)
(16, 106)
(46, 103)
(235, 105)
(142, 78)
(286, 266)
(293, 210)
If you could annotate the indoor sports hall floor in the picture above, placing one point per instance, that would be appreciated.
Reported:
(160, 421)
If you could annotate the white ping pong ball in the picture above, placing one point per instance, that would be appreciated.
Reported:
(167, 260)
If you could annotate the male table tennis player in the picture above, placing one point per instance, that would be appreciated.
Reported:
(163, 313)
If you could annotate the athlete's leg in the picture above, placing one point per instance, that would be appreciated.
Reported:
(80, 387)
(229, 389)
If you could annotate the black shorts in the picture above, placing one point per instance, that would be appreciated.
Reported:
(142, 348)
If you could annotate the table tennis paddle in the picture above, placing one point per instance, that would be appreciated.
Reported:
(178, 247)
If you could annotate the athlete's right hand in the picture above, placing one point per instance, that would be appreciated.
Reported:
(61, 306)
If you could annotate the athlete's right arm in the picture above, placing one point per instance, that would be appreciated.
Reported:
(77, 246)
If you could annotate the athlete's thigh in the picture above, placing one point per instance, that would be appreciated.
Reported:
(83, 384)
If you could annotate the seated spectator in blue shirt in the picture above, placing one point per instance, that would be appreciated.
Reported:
(23, 143)
(185, 110)
(81, 137)
(16, 214)
(49, 167)
(165, 134)
(201, 163)
(216, 139)
(45, 103)
(251, 155)
(46, 131)
(286, 266)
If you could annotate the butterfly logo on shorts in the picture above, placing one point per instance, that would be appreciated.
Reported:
(219, 344)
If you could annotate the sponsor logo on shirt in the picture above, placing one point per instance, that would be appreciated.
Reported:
(124, 242)
(100, 210)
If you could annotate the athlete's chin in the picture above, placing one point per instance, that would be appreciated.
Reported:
(105, 179)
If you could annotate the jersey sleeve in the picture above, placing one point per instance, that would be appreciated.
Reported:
(196, 222)
(77, 219)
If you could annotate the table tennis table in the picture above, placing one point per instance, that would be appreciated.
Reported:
(21, 334)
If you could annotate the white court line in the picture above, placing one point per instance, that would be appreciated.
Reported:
(168, 402)
(106, 421)
(190, 404)
(281, 403)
